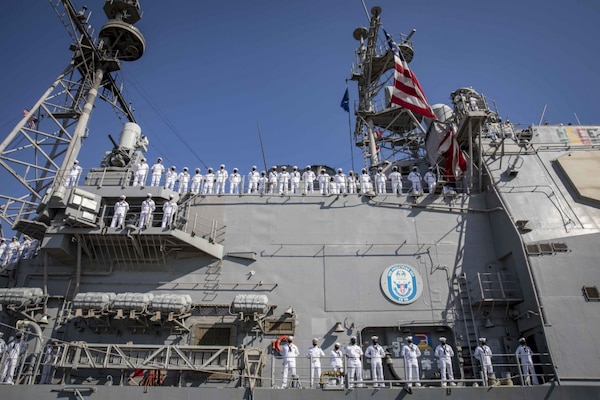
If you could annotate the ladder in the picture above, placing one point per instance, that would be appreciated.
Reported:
(470, 328)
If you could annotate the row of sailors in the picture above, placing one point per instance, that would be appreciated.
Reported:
(281, 181)
(15, 250)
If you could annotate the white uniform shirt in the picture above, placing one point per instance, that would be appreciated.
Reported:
(375, 352)
(483, 354)
(157, 169)
(121, 207)
(354, 352)
(289, 352)
(170, 207)
(524, 352)
(444, 352)
(411, 352)
(308, 176)
(336, 358)
(148, 206)
(315, 353)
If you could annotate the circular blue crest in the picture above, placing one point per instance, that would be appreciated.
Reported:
(401, 284)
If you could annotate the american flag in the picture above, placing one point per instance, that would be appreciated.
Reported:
(31, 122)
(407, 91)
(456, 163)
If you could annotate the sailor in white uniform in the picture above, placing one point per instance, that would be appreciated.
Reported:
(354, 353)
(380, 179)
(148, 207)
(170, 178)
(283, 179)
(169, 211)
(524, 353)
(376, 353)
(336, 360)
(340, 181)
(396, 179)
(234, 182)
(411, 354)
(120, 211)
(14, 350)
(315, 353)
(263, 181)
(196, 182)
(184, 181)
(483, 353)
(295, 181)
(323, 180)
(309, 180)
(415, 178)
(445, 353)
(289, 352)
(221, 178)
(430, 179)
(141, 172)
(157, 171)
(365, 182)
(73, 174)
(209, 181)
(253, 177)
(351, 182)
(272, 180)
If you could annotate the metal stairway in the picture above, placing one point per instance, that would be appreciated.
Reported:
(470, 328)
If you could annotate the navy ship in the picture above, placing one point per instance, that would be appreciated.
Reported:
(201, 295)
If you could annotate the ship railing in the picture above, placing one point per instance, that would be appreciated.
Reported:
(507, 368)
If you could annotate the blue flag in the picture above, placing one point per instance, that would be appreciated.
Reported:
(345, 104)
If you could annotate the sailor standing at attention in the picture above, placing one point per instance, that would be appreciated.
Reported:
(253, 177)
(336, 359)
(73, 174)
(221, 178)
(184, 180)
(14, 350)
(2, 345)
(171, 178)
(157, 171)
(315, 353)
(196, 182)
(141, 172)
(309, 180)
(431, 180)
(351, 182)
(169, 210)
(445, 353)
(380, 179)
(365, 182)
(263, 181)
(376, 353)
(272, 180)
(483, 353)
(524, 353)
(148, 207)
(121, 208)
(411, 354)
(209, 181)
(323, 182)
(340, 182)
(415, 178)
(283, 178)
(234, 182)
(295, 181)
(354, 353)
(396, 178)
(289, 353)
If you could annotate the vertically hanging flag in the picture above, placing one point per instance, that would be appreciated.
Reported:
(345, 104)
(456, 163)
(407, 91)
(31, 122)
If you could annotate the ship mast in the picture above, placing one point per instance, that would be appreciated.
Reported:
(53, 129)
(382, 130)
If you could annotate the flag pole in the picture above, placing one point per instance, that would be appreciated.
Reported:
(350, 132)
(262, 148)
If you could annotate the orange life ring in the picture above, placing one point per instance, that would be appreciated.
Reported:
(276, 344)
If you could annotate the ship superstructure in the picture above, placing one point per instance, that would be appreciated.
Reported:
(200, 304)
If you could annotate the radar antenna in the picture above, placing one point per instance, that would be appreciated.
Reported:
(53, 129)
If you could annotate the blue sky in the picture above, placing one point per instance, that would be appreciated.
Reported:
(214, 71)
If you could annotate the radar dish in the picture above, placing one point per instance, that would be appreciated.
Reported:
(376, 11)
(360, 33)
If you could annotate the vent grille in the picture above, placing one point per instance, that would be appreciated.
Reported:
(591, 293)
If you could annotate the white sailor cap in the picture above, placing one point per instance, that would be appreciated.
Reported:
(409, 338)
(122, 197)
(442, 339)
(159, 159)
(482, 339)
(522, 339)
(185, 168)
(374, 338)
(290, 338)
(222, 165)
(315, 339)
(148, 194)
(171, 196)
(337, 344)
(75, 162)
(254, 167)
(352, 337)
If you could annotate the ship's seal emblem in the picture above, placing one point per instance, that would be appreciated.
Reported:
(401, 284)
